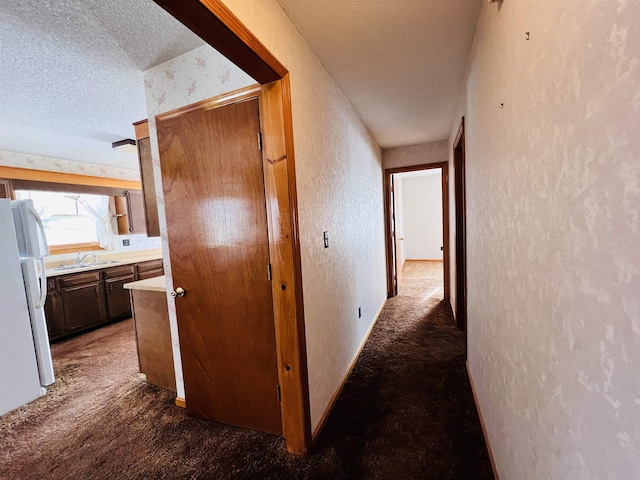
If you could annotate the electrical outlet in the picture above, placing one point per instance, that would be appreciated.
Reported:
(126, 242)
(359, 312)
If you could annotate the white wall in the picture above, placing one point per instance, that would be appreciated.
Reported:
(422, 153)
(553, 196)
(339, 179)
(422, 216)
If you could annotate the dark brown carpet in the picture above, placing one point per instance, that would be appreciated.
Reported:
(407, 412)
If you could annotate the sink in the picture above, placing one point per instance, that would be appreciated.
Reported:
(74, 266)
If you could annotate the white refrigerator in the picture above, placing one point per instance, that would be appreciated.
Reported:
(25, 357)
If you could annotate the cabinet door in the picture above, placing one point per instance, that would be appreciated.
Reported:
(148, 187)
(83, 306)
(150, 274)
(135, 212)
(53, 312)
(5, 188)
(118, 302)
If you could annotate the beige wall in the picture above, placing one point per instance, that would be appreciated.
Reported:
(553, 200)
(52, 164)
(422, 153)
(339, 179)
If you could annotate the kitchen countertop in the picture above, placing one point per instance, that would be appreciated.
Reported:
(105, 260)
(155, 284)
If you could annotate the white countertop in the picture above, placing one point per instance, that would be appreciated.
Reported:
(105, 260)
(155, 284)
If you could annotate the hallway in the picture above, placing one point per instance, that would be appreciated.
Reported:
(407, 412)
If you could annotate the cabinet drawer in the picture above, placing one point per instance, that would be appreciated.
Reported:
(79, 278)
(150, 274)
(150, 265)
(51, 284)
(120, 271)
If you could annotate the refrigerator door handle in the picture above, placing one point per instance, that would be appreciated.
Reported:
(43, 284)
(43, 272)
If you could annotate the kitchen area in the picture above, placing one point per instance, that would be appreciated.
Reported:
(99, 261)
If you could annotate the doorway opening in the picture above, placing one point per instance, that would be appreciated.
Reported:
(461, 228)
(417, 230)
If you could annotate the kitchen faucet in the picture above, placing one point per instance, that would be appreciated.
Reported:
(79, 258)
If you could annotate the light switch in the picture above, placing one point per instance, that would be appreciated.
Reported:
(326, 239)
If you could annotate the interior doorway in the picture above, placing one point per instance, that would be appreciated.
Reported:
(418, 236)
(461, 228)
(417, 227)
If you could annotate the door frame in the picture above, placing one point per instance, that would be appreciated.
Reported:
(220, 28)
(444, 166)
(461, 227)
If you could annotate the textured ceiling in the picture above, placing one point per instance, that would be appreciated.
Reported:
(400, 62)
(71, 74)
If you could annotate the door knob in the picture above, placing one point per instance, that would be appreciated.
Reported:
(178, 292)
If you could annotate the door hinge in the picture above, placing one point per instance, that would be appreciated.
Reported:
(260, 141)
(269, 273)
(278, 393)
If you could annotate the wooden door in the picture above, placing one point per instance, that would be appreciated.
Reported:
(213, 185)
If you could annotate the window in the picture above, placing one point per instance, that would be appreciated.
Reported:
(72, 221)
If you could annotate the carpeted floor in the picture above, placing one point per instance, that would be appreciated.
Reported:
(407, 412)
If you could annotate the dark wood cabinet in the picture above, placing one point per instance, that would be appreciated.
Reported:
(118, 303)
(77, 302)
(130, 213)
(53, 311)
(5, 188)
(147, 179)
(83, 301)
(150, 269)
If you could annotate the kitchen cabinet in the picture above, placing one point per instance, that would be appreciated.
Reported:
(83, 301)
(77, 302)
(153, 333)
(147, 179)
(5, 188)
(118, 304)
(130, 213)
(53, 311)
(150, 269)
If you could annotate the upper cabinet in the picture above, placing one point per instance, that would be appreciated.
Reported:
(5, 188)
(146, 177)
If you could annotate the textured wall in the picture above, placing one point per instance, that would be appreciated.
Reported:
(422, 153)
(51, 164)
(422, 212)
(338, 169)
(553, 204)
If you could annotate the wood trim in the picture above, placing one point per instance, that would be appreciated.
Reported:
(461, 233)
(74, 247)
(444, 166)
(181, 402)
(240, 95)
(445, 232)
(292, 361)
(482, 424)
(212, 21)
(343, 382)
(142, 129)
(67, 178)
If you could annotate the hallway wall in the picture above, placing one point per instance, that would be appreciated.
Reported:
(553, 198)
(422, 153)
